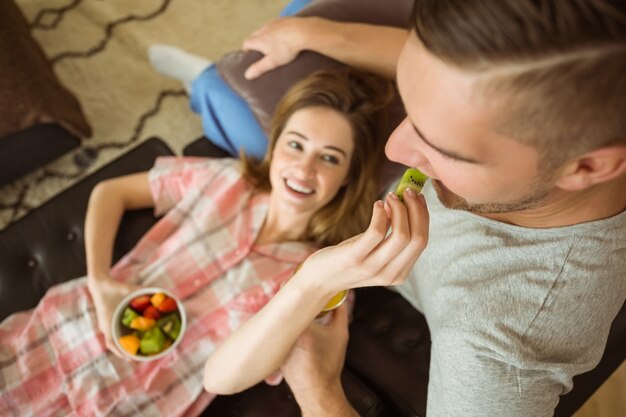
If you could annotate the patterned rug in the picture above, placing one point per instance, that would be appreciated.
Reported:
(98, 51)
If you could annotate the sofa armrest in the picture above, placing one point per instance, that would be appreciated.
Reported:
(32, 98)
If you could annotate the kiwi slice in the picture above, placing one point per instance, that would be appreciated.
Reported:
(413, 179)
(128, 316)
(152, 341)
(170, 325)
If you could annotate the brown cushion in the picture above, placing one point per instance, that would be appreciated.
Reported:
(263, 94)
(30, 92)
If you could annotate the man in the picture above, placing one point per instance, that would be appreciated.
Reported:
(516, 110)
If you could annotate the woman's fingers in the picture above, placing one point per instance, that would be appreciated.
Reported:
(399, 236)
(106, 294)
(420, 220)
(104, 325)
(393, 258)
(342, 264)
(373, 235)
(111, 346)
(398, 269)
(376, 257)
(106, 332)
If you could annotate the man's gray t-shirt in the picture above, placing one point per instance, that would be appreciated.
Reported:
(514, 313)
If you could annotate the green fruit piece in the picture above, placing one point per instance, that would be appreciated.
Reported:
(170, 325)
(128, 316)
(152, 341)
(413, 179)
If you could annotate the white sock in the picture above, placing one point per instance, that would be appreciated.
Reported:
(176, 63)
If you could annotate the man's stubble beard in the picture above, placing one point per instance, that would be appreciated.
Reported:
(453, 201)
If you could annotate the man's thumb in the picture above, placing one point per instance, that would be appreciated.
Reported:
(258, 68)
(340, 317)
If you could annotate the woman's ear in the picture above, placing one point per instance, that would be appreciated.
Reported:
(595, 167)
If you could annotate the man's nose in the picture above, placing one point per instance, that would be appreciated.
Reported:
(403, 145)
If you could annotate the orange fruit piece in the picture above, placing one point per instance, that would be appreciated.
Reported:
(142, 323)
(168, 305)
(157, 299)
(151, 312)
(130, 343)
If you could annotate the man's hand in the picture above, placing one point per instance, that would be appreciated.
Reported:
(313, 368)
(107, 294)
(280, 40)
(372, 48)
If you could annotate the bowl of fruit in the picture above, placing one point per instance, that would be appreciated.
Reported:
(148, 324)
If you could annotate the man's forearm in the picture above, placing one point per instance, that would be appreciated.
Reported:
(370, 47)
(327, 402)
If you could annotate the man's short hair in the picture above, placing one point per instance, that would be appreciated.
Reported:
(555, 68)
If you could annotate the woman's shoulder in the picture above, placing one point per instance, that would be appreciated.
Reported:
(182, 163)
(196, 169)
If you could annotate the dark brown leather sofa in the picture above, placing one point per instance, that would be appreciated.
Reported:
(386, 372)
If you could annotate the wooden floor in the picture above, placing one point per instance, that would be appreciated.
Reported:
(610, 399)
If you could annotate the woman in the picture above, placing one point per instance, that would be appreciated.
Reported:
(232, 234)
(227, 119)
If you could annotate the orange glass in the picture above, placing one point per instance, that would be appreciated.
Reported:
(333, 303)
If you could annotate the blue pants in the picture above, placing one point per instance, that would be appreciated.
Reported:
(226, 118)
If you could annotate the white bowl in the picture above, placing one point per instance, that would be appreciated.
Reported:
(116, 323)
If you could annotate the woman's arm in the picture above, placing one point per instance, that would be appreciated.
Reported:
(369, 47)
(107, 203)
(263, 343)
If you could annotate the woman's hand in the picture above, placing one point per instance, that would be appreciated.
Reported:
(280, 40)
(374, 257)
(107, 203)
(107, 294)
(262, 344)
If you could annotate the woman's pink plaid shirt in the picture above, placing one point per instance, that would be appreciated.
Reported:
(53, 361)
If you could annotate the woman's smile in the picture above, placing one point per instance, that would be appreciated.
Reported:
(297, 188)
(310, 163)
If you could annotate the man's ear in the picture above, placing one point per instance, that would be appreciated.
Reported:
(595, 167)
